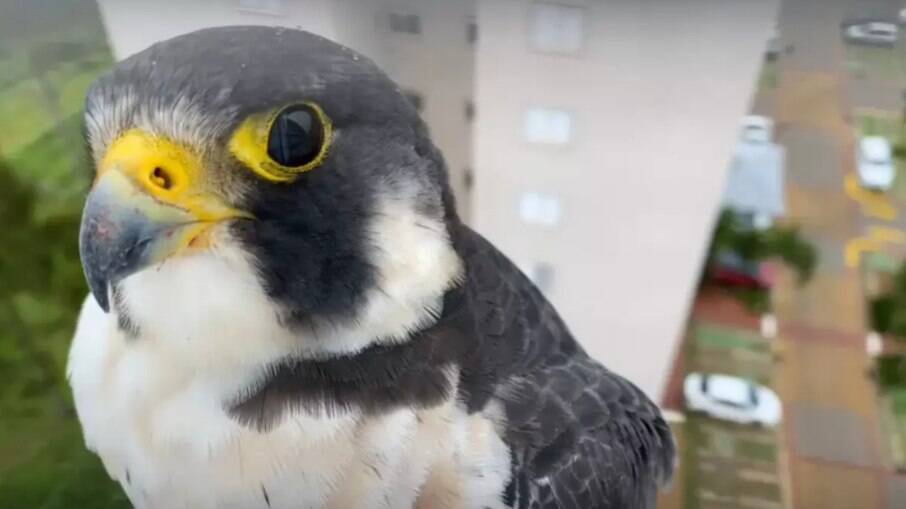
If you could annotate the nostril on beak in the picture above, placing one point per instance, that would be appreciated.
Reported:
(161, 178)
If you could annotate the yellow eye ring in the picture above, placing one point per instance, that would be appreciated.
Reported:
(252, 142)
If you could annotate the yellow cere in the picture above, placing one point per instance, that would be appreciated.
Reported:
(168, 171)
(249, 145)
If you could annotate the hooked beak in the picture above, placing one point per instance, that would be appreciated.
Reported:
(124, 230)
(145, 206)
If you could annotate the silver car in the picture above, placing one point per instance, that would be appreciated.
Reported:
(876, 167)
(731, 398)
(875, 33)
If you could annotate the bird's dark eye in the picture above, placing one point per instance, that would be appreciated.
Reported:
(296, 138)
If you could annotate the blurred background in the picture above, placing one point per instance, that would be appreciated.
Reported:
(708, 190)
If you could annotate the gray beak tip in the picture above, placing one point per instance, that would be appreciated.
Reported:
(112, 243)
(123, 231)
(99, 290)
(95, 275)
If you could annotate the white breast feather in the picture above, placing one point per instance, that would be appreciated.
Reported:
(152, 407)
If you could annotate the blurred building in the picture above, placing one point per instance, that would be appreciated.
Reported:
(602, 138)
(602, 131)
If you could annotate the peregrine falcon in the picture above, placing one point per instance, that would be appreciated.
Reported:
(287, 312)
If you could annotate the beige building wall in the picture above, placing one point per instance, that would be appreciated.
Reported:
(133, 25)
(437, 63)
(654, 95)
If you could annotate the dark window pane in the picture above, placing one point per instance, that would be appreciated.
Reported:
(472, 32)
(414, 24)
(405, 23)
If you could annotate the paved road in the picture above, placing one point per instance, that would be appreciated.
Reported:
(832, 423)
(881, 9)
(877, 76)
(831, 453)
(804, 30)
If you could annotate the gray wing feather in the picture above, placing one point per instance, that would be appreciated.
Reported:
(580, 435)
(583, 437)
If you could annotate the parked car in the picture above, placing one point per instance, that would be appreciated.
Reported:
(730, 269)
(731, 398)
(757, 129)
(875, 163)
(876, 33)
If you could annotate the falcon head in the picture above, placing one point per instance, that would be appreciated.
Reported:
(290, 160)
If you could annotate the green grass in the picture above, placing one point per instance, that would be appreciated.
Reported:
(760, 490)
(890, 126)
(715, 336)
(884, 63)
(756, 450)
(49, 54)
(23, 102)
(731, 441)
(56, 472)
(893, 417)
(718, 442)
(692, 477)
(732, 449)
(881, 262)
(720, 349)
(891, 377)
(35, 112)
(768, 76)
(60, 158)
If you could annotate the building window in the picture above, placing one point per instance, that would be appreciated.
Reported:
(547, 125)
(472, 31)
(262, 6)
(415, 99)
(539, 209)
(470, 110)
(405, 23)
(557, 28)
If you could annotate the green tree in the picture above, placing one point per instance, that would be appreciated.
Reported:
(43, 461)
(779, 242)
(41, 291)
(888, 311)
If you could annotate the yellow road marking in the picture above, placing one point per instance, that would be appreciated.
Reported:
(877, 237)
(887, 234)
(873, 204)
(852, 253)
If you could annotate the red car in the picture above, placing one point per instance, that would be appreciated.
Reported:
(730, 269)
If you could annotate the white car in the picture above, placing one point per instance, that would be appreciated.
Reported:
(874, 32)
(731, 398)
(875, 163)
(757, 129)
